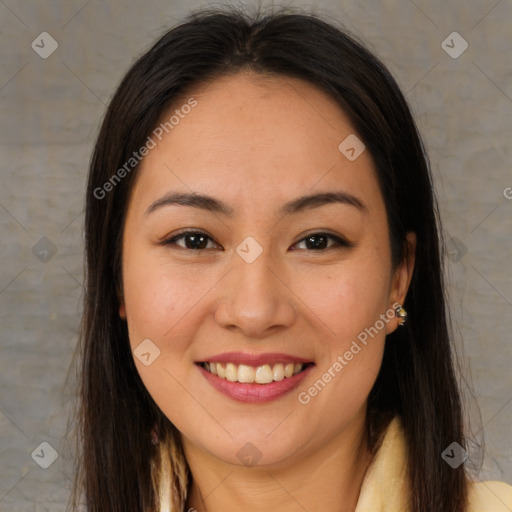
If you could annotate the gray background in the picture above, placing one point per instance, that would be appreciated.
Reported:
(50, 110)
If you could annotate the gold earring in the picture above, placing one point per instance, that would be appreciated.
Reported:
(401, 314)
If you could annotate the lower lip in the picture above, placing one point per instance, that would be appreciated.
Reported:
(255, 393)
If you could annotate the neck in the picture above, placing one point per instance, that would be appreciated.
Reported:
(327, 478)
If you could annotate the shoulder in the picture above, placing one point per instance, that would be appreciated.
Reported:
(490, 496)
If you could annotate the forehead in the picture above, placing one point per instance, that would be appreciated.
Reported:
(255, 138)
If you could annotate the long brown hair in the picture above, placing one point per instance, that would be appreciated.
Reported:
(121, 465)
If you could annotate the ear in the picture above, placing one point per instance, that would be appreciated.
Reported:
(402, 278)
(122, 309)
(122, 306)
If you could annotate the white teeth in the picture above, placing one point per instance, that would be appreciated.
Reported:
(278, 372)
(246, 373)
(231, 372)
(263, 374)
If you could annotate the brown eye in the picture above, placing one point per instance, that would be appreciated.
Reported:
(319, 242)
(193, 240)
(197, 240)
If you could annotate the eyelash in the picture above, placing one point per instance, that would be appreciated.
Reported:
(340, 242)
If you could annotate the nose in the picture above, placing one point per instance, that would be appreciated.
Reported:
(256, 298)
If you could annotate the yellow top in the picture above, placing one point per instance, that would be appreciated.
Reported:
(384, 485)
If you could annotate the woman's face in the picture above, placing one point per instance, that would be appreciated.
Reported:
(268, 280)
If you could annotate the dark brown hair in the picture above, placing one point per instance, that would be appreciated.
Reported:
(120, 466)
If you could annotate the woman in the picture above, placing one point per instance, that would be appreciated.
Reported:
(265, 323)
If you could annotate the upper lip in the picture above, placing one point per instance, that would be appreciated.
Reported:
(254, 359)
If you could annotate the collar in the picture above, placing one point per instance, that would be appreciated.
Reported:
(384, 487)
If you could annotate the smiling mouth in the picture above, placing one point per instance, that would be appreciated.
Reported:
(264, 374)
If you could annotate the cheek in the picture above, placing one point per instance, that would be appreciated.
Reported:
(161, 301)
(349, 302)
(160, 297)
(349, 305)
(348, 298)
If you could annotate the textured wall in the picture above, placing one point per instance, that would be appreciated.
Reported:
(50, 109)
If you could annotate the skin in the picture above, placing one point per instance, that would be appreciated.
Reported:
(256, 142)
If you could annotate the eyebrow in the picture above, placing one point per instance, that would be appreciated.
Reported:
(300, 204)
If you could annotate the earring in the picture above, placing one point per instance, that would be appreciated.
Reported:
(401, 314)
